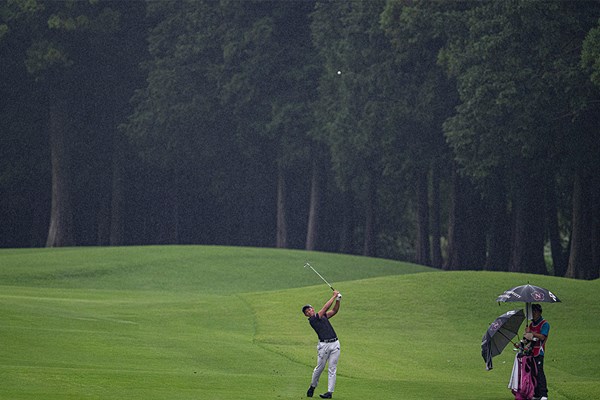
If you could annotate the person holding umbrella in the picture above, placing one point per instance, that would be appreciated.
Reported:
(537, 331)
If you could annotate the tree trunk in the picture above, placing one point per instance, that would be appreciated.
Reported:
(39, 218)
(167, 229)
(466, 233)
(499, 229)
(347, 224)
(454, 227)
(527, 249)
(117, 203)
(103, 218)
(173, 226)
(281, 239)
(436, 231)
(558, 254)
(422, 246)
(596, 225)
(61, 230)
(315, 203)
(370, 207)
(581, 257)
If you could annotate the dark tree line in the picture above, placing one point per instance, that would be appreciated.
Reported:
(461, 135)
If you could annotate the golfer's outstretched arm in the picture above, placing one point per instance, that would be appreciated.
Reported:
(327, 305)
(335, 309)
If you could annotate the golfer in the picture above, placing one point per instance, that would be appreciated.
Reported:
(328, 349)
(538, 330)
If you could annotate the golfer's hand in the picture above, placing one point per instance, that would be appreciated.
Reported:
(336, 293)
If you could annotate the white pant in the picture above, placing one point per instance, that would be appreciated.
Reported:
(326, 352)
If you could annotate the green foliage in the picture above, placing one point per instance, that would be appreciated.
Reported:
(44, 55)
(53, 25)
(234, 88)
(423, 94)
(15, 9)
(269, 77)
(353, 113)
(176, 113)
(68, 23)
(211, 59)
(519, 84)
(590, 54)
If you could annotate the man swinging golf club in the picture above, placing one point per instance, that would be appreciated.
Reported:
(328, 349)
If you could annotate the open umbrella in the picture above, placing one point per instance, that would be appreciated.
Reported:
(499, 334)
(528, 294)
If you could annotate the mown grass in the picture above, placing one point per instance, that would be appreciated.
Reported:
(189, 322)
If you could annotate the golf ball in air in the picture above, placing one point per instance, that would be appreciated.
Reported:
(339, 72)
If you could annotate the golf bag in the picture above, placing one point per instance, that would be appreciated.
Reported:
(527, 377)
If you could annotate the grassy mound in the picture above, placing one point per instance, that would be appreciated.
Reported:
(189, 322)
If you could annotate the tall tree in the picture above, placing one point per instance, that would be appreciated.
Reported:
(353, 109)
(269, 84)
(424, 98)
(466, 243)
(589, 168)
(24, 164)
(514, 65)
(316, 199)
(59, 38)
(176, 123)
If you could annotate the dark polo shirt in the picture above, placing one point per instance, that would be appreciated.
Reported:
(322, 327)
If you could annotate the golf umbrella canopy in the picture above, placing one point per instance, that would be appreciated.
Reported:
(499, 334)
(528, 294)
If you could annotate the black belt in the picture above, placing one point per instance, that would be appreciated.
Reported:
(329, 340)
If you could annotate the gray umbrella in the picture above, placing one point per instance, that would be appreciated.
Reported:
(528, 294)
(499, 334)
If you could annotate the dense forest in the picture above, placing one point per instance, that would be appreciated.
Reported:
(455, 134)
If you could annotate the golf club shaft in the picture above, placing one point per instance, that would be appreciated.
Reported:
(310, 266)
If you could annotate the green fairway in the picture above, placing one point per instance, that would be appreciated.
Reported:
(198, 322)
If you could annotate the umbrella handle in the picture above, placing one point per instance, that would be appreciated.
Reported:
(528, 312)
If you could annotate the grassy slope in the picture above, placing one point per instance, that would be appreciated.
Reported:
(189, 322)
(419, 335)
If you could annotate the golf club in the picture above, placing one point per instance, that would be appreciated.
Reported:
(310, 266)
